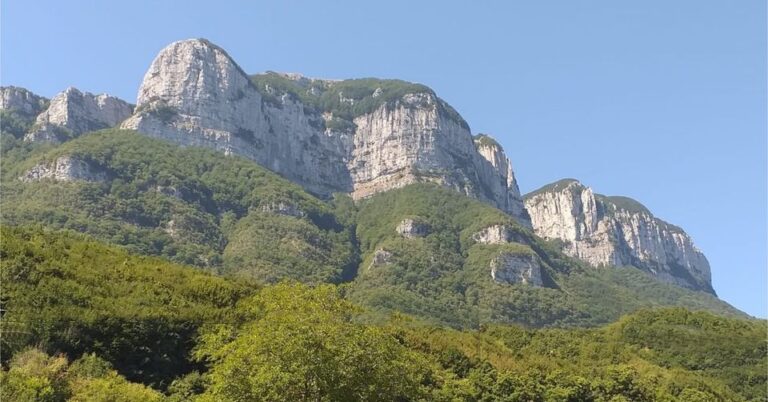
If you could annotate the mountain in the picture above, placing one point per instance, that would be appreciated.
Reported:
(335, 181)
(74, 295)
(18, 110)
(191, 205)
(354, 136)
(616, 231)
(422, 249)
(273, 236)
(69, 114)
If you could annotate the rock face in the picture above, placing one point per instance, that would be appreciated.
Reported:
(411, 228)
(65, 168)
(616, 231)
(194, 94)
(283, 208)
(355, 136)
(21, 101)
(506, 190)
(72, 113)
(496, 234)
(512, 268)
(380, 257)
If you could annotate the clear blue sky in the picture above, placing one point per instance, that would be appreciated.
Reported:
(662, 101)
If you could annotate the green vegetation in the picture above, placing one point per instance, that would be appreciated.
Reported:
(300, 344)
(551, 187)
(35, 376)
(194, 337)
(345, 99)
(486, 140)
(270, 248)
(14, 123)
(69, 294)
(191, 205)
(624, 203)
(232, 217)
(421, 320)
(445, 276)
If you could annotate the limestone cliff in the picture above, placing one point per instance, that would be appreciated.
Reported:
(21, 102)
(616, 231)
(73, 112)
(355, 136)
(65, 168)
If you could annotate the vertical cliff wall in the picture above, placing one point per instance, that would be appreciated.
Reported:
(354, 136)
(616, 231)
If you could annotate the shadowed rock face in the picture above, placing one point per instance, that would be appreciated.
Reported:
(65, 168)
(512, 268)
(72, 113)
(195, 94)
(616, 231)
(412, 228)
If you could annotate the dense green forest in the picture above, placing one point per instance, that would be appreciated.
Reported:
(232, 217)
(181, 274)
(86, 321)
(188, 204)
(445, 275)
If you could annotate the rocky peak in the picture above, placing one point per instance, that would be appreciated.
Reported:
(360, 136)
(617, 231)
(72, 112)
(195, 94)
(21, 101)
(507, 191)
(194, 76)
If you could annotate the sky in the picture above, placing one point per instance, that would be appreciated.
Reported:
(662, 101)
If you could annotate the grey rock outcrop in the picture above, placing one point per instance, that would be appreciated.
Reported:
(512, 268)
(283, 208)
(65, 168)
(380, 257)
(501, 178)
(497, 234)
(170, 191)
(616, 231)
(21, 101)
(412, 228)
(195, 94)
(72, 112)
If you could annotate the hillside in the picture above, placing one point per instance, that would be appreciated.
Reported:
(105, 308)
(616, 231)
(445, 272)
(188, 204)
(423, 249)
(68, 293)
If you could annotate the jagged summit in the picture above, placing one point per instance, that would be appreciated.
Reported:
(615, 230)
(65, 116)
(21, 102)
(359, 136)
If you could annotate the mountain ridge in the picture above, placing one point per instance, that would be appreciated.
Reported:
(616, 230)
(357, 136)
